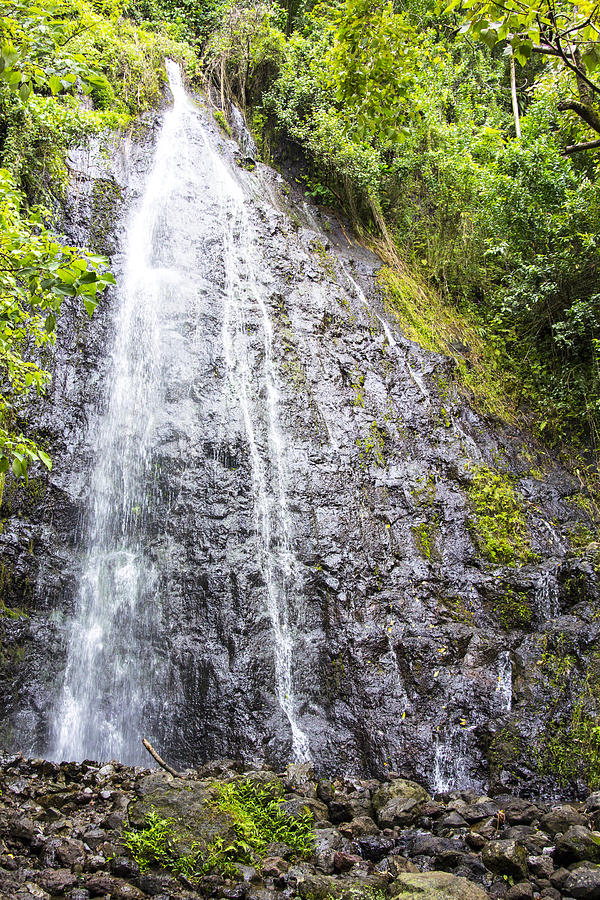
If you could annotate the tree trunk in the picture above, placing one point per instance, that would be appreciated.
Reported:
(515, 102)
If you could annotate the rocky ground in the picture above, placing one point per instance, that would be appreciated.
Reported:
(61, 835)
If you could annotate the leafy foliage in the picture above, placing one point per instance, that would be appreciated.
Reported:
(258, 821)
(50, 53)
(569, 746)
(36, 274)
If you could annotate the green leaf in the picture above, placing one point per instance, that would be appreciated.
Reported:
(90, 305)
(89, 278)
(54, 83)
(50, 323)
(25, 91)
(45, 459)
(591, 58)
(4, 463)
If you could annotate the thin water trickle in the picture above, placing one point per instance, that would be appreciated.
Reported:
(546, 597)
(115, 679)
(504, 682)
(451, 763)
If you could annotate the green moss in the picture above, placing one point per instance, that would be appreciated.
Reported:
(424, 490)
(222, 121)
(325, 260)
(568, 746)
(372, 446)
(505, 750)
(424, 535)
(427, 320)
(458, 609)
(513, 609)
(358, 386)
(498, 521)
(581, 536)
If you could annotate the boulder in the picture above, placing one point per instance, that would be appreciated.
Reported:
(435, 886)
(296, 807)
(399, 811)
(482, 809)
(100, 885)
(516, 810)
(505, 858)
(359, 826)
(344, 809)
(346, 887)
(300, 778)
(576, 844)
(540, 866)
(592, 804)
(189, 803)
(375, 846)
(521, 891)
(399, 788)
(583, 884)
(560, 818)
(56, 881)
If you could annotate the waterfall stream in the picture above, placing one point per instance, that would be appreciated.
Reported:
(115, 683)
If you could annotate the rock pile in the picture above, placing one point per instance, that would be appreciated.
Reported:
(61, 836)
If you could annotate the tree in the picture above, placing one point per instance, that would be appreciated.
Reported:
(565, 32)
(34, 49)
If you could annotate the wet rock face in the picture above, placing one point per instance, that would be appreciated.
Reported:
(61, 835)
(412, 653)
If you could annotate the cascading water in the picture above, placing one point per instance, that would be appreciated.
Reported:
(504, 682)
(546, 597)
(116, 680)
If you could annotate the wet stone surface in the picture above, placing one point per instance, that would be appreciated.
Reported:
(400, 661)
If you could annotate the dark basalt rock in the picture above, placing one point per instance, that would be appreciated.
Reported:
(399, 644)
(80, 851)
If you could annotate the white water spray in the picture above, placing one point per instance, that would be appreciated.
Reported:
(114, 686)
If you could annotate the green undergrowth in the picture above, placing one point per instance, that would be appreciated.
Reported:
(219, 117)
(424, 535)
(498, 522)
(258, 821)
(130, 77)
(426, 319)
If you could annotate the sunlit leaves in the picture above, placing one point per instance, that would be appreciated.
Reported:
(372, 65)
(36, 274)
(564, 29)
(34, 50)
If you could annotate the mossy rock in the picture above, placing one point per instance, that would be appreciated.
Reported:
(349, 887)
(399, 789)
(435, 886)
(191, 805)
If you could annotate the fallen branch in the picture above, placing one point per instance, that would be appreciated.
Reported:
(160, 761)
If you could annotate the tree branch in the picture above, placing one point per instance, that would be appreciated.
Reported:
(577, 148)
(160, 761)
(583, 110)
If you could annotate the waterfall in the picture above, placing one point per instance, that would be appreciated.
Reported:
(115, 682)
